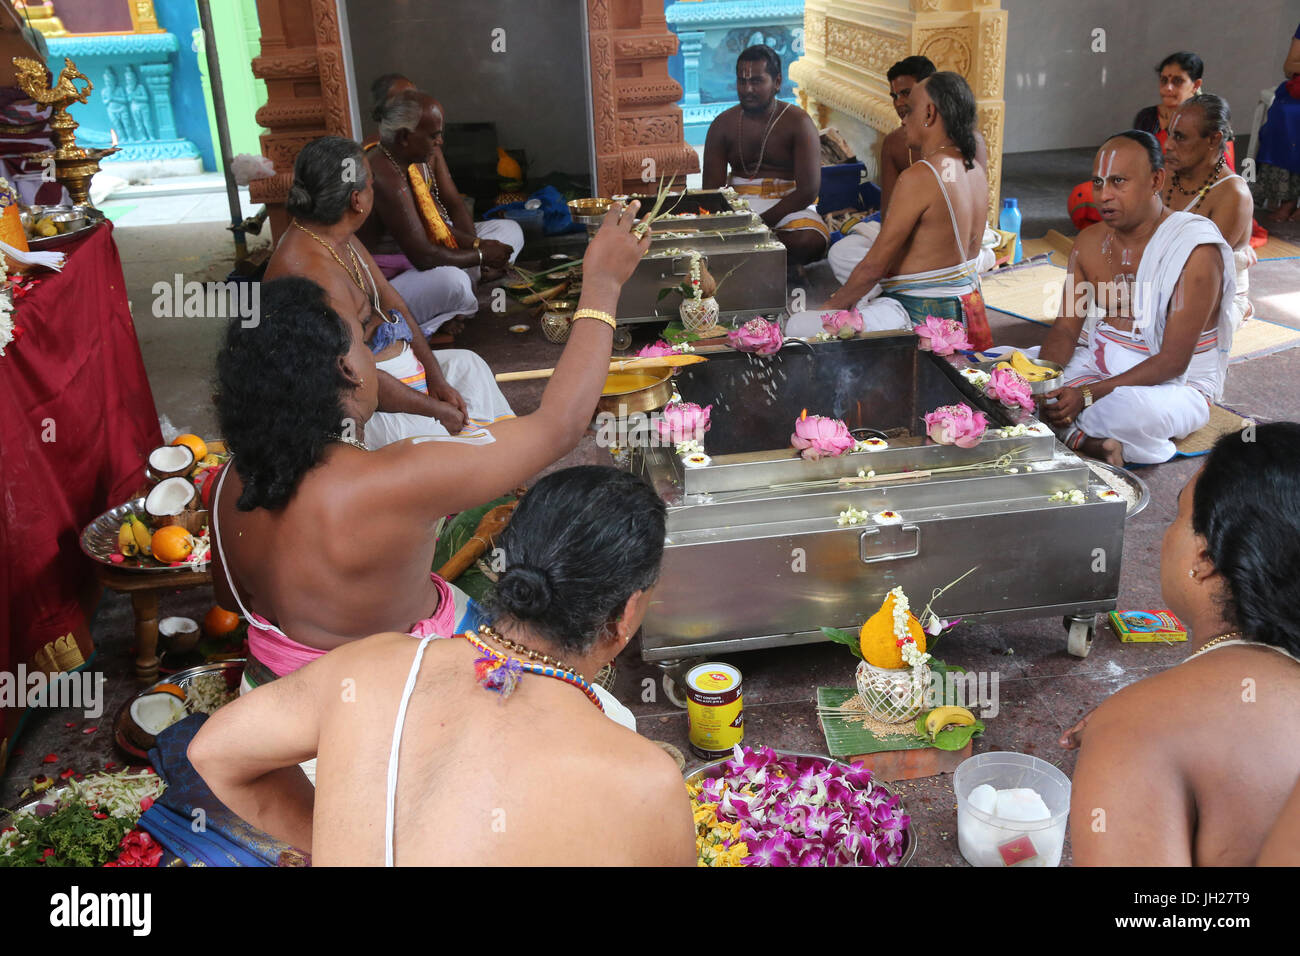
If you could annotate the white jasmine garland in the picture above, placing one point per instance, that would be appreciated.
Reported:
(689, 447)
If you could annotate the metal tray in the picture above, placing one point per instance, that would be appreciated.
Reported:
(93, 218)
(181, 679)
(909, 850)
(1138, 486)
(99, 541)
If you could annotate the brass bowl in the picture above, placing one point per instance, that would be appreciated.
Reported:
(589, 212)
(646, 398)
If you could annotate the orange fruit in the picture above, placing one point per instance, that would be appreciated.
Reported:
(174, 689)
(172, 543)
(219, 621)
(194, 443)
(879, 643)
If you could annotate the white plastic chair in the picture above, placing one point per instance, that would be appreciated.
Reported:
(1261, 111)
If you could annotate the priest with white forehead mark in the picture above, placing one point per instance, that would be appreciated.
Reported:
(1145, 324)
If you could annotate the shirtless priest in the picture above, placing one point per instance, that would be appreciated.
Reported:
(925, 261)
(895, 156)
(421, 393)
(1146, 323)
(774, 154)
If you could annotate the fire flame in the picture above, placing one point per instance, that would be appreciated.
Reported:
(803, 414)
(113, 133)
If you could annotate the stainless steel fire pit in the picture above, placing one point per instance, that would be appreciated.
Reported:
(756, 556)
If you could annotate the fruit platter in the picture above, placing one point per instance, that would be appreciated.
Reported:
(167, 528)
(197, 690)
(766, 807)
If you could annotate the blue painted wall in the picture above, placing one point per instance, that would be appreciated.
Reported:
(181, 17)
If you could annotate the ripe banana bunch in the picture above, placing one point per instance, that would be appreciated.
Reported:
(942, 717)
(133, 537)
(1030, 370)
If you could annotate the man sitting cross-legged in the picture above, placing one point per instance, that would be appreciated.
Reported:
(926, 260)
(1145, 324)
(421, 393)
(896, 156)
(774, 155)
(420, 233)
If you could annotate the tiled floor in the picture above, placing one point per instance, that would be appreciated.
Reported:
(1043, 691)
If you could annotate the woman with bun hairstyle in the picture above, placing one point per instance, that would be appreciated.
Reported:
(489, 747)
(1192, 767)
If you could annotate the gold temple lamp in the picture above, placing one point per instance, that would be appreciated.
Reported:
(74, 165)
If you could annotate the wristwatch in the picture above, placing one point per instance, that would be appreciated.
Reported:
(1087, 395)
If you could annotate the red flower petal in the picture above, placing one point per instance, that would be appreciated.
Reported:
(90, 730)
(70, 724)
(50, 758)
(110, 765)
(100, 816)
(66, 774)
(145, 803)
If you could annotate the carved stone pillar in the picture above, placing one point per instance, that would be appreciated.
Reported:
(638, 125)
(307, 95)
(848, 50)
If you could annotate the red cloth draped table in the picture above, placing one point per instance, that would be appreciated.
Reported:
(77, 420)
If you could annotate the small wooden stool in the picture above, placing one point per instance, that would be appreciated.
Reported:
(144, 589)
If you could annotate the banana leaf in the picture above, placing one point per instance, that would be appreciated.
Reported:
(456, 535)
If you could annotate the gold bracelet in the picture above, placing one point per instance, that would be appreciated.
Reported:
(596, 314)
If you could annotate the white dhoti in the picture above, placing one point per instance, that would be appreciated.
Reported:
(853, 248)
(436, 295)
(465, 371)
(501, 230)
(1147, 419)
(763, 194)
(878, 315)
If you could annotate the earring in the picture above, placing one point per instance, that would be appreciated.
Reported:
(1191, 572)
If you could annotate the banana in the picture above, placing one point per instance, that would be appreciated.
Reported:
(143, 538)
(941, 717)
(1031, 370)
(126, 540)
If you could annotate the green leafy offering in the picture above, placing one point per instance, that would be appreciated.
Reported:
(71, 832)
(843, 637)
(954, 738)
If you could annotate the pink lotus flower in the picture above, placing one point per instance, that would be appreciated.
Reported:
(941, 336)
(816, 436)
(757, 335)
(956, 425)
(1010, 388)
(683, 421)
(656, 350)
(844, 324)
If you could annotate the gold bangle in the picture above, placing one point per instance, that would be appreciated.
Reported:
(596, 314)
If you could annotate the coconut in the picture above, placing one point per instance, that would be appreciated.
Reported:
(154, 713)
(175, 501)
(170, 461)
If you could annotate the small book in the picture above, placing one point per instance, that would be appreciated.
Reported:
(1147, 627)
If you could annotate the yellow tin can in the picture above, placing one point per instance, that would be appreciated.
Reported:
(715, 709)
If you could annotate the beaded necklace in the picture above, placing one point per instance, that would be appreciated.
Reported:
(500, 673)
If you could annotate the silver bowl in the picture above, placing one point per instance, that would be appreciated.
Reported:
(714, 769)
(1035, 388)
